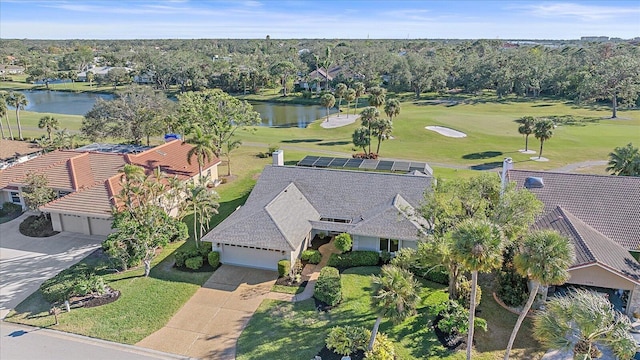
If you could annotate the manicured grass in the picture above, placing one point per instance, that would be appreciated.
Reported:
(292, 290)
(29, 121)
(298, 331)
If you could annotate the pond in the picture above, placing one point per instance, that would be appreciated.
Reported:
(272, 114)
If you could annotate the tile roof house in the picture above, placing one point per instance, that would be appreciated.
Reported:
(14, 152)
(601, 216)
(86, 182)
(290, 204)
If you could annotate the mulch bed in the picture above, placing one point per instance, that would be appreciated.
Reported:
(322, 306)
(316, 242)
(93, 300)
(205, 268)
(34, 226)
(327, 354)
(450, 341)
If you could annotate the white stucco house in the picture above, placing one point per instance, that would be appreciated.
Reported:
(291, 204)
(87, 180)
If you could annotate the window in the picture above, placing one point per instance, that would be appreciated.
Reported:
(389, 245)
(15, 197)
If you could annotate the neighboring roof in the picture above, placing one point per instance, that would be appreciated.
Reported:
(608, 204)
(93, 177)
(10, 149)
(591, 247)
(366, 164)
(288, 201)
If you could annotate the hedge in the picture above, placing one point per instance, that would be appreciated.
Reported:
(311, 256)
(328, 287)
(214, 259)
(354, 258)
(194, 263)
(284, 267)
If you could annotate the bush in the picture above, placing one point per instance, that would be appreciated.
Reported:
(353, 259)
(194, 263)
(343, 242)
(91, 284)
(214, 259)
(405, 258)
(284, 267)
(9, 208)
(385, 257)
(454, 319)
(348, 339)
(272, 149)
(464, 293)
(311, 256)
(512, 288)
(328, 286)
(382, 349)
(204, 249)
(438, 275)
(182, 255)
(72, 282)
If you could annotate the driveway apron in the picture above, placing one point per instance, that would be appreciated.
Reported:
(209, 324)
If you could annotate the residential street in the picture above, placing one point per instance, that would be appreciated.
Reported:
(26, 262)
(21, 342)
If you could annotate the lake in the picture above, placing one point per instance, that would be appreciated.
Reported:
(272, 114)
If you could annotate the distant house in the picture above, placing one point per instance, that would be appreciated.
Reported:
(87, 180)
(14, 152)
(11, 70)
(320, 76)
(291, 204)
(100, 71)
(601, 217)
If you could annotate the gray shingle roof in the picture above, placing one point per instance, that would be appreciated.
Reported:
(590, 245)
(609, 204)
(287, 201)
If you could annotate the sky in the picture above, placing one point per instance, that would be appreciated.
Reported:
(318, 19)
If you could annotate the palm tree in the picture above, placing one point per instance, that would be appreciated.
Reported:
(392, 108)
(624, 161)
(327, 100)
(359, 88)
(368, 116)
(478, 247)
(526, 127)
(350, 96)
(4, 101)
(202, 203)
(3, 113)
(50, 123)
(377, 96)
(381, 128)
(544, 257)
(203, 148)
(581, 320)
(543, 130)
(19, 101)
(395, 296)
(230, 145)
(361, 138)
(341, 91)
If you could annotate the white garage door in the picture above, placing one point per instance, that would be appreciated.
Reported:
(255, 258)
(72, 223)
(100, 226)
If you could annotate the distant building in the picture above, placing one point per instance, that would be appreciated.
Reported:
(595, 38)
(11, 70)
(14, 152)
(100, 71)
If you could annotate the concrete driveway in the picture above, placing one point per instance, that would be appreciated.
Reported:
(26, 262)
(209, 324)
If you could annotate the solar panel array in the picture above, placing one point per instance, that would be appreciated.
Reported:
(113, 148)
(365, 164)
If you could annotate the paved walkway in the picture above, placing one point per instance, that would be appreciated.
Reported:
(209, 324)
(26, 262)
(585, 164)
(326, 250)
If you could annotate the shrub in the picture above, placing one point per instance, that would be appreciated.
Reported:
(204, 249)
(214, 259)
(343, 242)
(9, 208)
(382, 349)
(438, 275)
(454, 319)
(405, 258)
(311, 256)
(60, 287)
(272, 149)
(182, 255)
(284, 267)
(464, 293)
(385, 257)
(91, 284)
(348, 339)
(328, 287)
(194, 263)
(512, 288)
(354, 258)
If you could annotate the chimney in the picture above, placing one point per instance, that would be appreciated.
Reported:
(278, 158)
(507, 164)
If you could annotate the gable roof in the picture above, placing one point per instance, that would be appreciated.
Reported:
(93, 177)
(10, 149)
(608, 204)
(288, 201)
(591, 247)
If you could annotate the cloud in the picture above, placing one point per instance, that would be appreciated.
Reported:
(579, 11)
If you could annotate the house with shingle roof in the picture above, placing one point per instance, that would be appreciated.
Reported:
(291, 204)
(87, 181)
(600, 215)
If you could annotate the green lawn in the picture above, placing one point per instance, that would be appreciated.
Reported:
(298, 331)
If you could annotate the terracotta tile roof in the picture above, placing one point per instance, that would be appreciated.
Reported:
(591, 247)
(172, 158)
(608, 204)
(104, 166)
(80, 172)
(12, 148)
(93, 200)
(52, 164)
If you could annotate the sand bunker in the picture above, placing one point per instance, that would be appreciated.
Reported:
(446, 131)
(338, 121)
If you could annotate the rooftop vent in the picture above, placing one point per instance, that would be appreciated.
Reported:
(533, 183)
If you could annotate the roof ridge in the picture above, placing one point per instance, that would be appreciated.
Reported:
(276, 223)
(72, 169)
(373, 173)
(155, 148)
(575, 231)
(573, 174)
